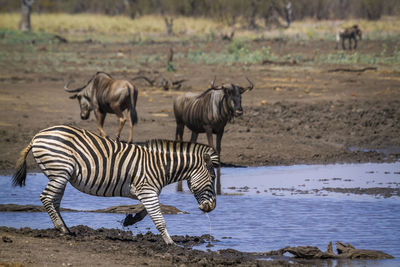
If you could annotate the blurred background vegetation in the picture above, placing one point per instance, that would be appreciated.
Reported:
(202, 31)
(227, 11)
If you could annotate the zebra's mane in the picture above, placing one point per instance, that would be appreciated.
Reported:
(159, 145)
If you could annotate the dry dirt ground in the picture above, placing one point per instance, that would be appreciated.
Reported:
(296, 114)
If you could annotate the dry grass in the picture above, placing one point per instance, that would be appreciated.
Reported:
(81, 24)
(102, 27)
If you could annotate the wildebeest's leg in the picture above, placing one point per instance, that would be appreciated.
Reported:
(130, 220)
(194, 136)
(132, 121)
(209, 137)
(51, 199)
(130, 140)
(337, 40)
(180, 127)
(219, 139)
(355, 42)
(193, 139)
(152, 205)
(350, 47)
(122, 121)
(100, 121)
(343, 45)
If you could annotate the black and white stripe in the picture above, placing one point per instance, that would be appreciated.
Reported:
(104, 167)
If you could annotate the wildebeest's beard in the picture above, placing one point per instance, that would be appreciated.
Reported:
(85, 107)
(234, 100)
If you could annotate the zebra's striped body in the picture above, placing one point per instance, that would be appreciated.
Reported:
(104, 167)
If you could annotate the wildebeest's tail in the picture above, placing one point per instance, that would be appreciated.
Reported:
(133, 94)
(19, 176)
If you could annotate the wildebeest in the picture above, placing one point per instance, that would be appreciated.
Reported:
(209, 112)
(350, 33)
(103, 95)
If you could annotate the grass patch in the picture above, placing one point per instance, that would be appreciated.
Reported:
(359, 58)
(235, 52)
(10, 37)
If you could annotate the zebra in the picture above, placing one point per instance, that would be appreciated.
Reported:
(101, 166)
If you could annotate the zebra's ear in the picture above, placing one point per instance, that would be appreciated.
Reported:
(212, 160)
(207, 159)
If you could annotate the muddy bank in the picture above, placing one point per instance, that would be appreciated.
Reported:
(111, 247)
(332, 131)
(294, 115)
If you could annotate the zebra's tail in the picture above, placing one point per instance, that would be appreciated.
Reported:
(19, 176)
(133, 94)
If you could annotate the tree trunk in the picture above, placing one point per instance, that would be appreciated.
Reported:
(26, 8)
(288, 13)
(169, 25)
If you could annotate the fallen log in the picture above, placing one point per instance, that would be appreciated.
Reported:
(353, 70)
(122, 209)
(280, 63)
(161, 82)
(343, 252)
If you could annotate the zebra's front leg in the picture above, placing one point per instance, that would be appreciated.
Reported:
(152, 205)
(51, 199)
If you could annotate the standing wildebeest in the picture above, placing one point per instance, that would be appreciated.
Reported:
(209, 112)
(103, 95)
(349, 33)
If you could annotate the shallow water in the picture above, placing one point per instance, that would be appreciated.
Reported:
(262, 209)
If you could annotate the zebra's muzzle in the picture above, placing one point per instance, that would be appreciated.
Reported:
(208, 206)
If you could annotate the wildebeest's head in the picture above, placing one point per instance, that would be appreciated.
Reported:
(357, 31)
(202, 182)
(83, 99)
(233, 93)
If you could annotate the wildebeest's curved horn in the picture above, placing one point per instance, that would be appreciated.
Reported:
(72, 90)
(242, 90)
(251, 84)
(212, 83)
(213, 86)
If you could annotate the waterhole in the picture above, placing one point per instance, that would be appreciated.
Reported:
(260, 209)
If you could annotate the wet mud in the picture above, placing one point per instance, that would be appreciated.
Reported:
(116, 247)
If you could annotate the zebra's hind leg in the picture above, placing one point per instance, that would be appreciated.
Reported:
(51, 199)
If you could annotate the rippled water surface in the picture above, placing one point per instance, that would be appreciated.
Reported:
(262, 209)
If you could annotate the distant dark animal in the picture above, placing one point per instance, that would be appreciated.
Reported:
(104, 167)
(103, 95)
(350, 33)
(209, 111)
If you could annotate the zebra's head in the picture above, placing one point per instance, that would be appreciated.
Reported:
(202, 182)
